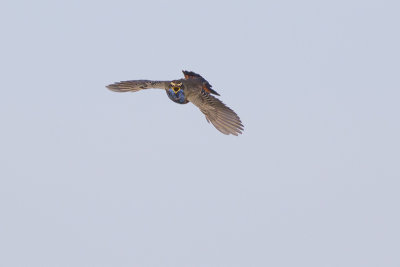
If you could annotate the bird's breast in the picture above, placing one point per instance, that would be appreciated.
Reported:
(178, 97)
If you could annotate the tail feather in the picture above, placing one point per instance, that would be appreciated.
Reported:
(206, 85)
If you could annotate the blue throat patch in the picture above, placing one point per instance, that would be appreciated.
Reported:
(179, 97)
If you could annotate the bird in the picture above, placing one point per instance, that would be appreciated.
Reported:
(195, 89)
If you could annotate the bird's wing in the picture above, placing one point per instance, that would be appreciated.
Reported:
(134, 86)
(221, 116)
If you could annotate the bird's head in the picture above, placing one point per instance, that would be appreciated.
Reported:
(176, 86)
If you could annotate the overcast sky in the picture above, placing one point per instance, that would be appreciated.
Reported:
(90, 177)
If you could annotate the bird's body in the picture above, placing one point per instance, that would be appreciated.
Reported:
(195, 89)
(179, 97)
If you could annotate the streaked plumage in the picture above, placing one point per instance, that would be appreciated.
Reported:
(193, 88)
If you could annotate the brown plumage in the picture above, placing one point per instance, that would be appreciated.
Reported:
(194, 88)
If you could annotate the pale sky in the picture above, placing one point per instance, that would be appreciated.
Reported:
(90, 177)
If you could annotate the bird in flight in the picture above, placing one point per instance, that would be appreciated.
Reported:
(193, 88)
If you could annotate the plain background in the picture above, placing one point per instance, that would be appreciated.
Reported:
(90, 177)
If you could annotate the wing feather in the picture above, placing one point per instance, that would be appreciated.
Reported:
(137, 85)
(221, 116)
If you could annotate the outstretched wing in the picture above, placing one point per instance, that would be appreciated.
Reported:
(221, 116)
(134, 86)
(206, 85)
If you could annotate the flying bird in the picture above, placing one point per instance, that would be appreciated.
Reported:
(193, 88)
